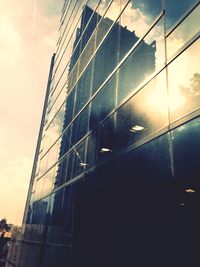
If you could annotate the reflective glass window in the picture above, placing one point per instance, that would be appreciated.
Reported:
(105, 140)
(49, 179)
(69, 169)
(53, 154)
(79, 159)
(184, 32)
(80, 126)
(103, 103)
(65, 142)
(175, 11)
(61, 172)
(104, 62)
(111, 15)
(136, 20)
(88, 13)
(39, 188)
(148, 57)
(186, 149)
(83, 89)
(91, 148)
(55, 227)
(145, 113)
(184, 82)
(69, 108)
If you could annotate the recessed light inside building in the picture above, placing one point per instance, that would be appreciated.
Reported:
(137, 128)
(105, 150)
(82, 164)
(190, 190)
(182, 204)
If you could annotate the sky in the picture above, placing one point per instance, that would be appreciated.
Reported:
(28, 36)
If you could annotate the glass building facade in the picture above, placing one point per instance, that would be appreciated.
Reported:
(116, 176)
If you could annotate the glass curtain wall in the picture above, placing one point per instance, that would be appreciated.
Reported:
(117, 177)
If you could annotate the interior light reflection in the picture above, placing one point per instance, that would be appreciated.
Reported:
(137, 128)
(105, 150)
(190, 190)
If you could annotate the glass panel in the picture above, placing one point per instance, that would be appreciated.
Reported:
(91, 149)
(79, 159)
(87, 32)
(139, 15)
(69, 170)
(80, 126)
(109, 47)
(69, 109)
(61, 172)
(186, 149)
(65, 142)
(145, 113)
(144, 60)
(175, 11)
(54, 129)
(39, 188)
(54, 234)
(83, 89)
(52, 155)
(103, 103)
(184, 32)
(48, 181)
(184, 82)
(105, 140)
(108, 20)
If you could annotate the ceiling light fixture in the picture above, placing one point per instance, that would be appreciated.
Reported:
(190, 190)
(82, 164)
(136, 128)
(105, 150)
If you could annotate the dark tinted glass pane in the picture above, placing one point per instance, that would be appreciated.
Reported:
(79, 159)
(122, 205)
(91, 149)
(106, 58)
(83, 89)
(80, 126)
(69, 109)
(65, 142)
(186, 149)
(55, 227)
(90, 27)
(103, 103)
(105, 139)
(61, 172)
(70, 165)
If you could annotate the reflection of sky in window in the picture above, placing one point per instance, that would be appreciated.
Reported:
(174, 10)
(184, 32)
(183, 81)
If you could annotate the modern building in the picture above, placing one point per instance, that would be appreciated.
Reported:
(116, 176)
